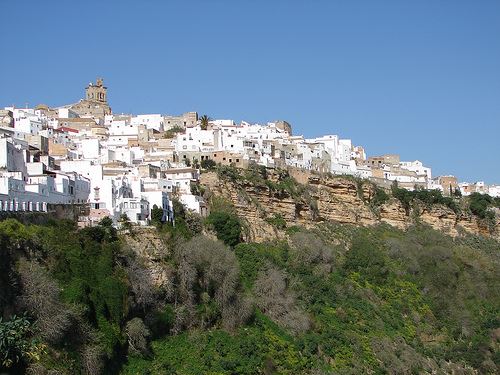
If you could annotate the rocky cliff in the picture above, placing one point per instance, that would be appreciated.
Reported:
(336, 199)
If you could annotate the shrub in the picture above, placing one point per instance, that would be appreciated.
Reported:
(230, 173)
(208, 273)
(479, 204)
(156, 215)
(171, 133)
(276, 300)
(227, 227)
(137, 336)
(16, 344)
(277, 221)
(208, 164)
(379, 197)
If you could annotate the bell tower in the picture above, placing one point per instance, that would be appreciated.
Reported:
(96, 92)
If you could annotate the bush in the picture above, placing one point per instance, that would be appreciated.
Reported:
(277, 221)
(16, 344)
(379, 197)
(208, 273)
(156, 215)
(137, 335)
(208, 164)
(428, 197)
(366, 257)
(230, 173)
(479, 204)
(227, 227)
(171, 133)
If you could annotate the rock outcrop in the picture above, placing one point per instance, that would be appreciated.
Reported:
(336, 199)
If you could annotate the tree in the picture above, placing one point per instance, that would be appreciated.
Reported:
(208, 164)
(204, 120)
(276, 300)
(194, 222)
(479, 204)
(156, 215)
(40, 297)
(208, 272)
(137, 335)
(227, 227)
(179, 209)
(106, 221)
(125, 222)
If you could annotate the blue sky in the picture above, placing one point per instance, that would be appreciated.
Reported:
(418, 78)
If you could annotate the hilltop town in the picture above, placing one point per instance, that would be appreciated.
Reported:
(116, 165)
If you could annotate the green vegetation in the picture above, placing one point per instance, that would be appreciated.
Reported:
(334, 299)
(227, 227)
(390, 302)
(204, 120)
(427, 197)
(277, 221)
(15, 342)
(208, 164)
(172, 132)
(379, 198)
(156, 215)
(480, 205)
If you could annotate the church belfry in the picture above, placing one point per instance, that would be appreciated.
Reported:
(96, 92)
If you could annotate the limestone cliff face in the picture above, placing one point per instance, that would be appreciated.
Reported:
(149, 250)
(331, 199)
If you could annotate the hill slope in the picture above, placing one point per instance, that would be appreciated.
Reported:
(333, 298)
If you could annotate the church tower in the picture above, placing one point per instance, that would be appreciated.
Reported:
(97, 92)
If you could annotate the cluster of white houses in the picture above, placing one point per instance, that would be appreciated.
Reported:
(125, 164)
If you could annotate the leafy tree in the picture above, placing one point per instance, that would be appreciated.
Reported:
(179, 209)
(194, 222)
(479, 204)
(208, 164)
(227, 227)
(106, 221)
(365, 258)
(156, 215)
(379, 197)
(125, 222)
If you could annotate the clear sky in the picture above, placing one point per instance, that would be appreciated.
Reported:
(418, 78)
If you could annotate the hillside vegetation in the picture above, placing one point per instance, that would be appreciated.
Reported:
(334, 299)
